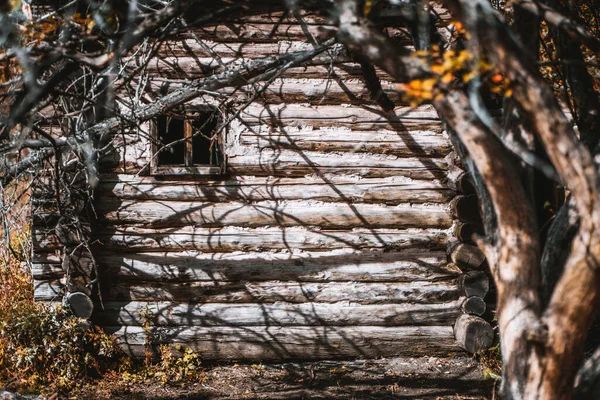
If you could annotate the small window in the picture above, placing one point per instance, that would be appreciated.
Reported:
(187, 145)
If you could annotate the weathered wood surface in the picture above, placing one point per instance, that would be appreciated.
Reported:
(402, 119)
(409, 144)
(337, 265)
(292, 292)
(244, 239)
(291, 163)
(392, 190)
(278, 314)
(188, 67)
(49, 290)
(317, 91)
(467, 232)
(466, 256)
(474, 283)
(273, 213)
(80, 304)
(459, 181)
(473, 333)
(271, 162)
(267, 343)
(474, 305)
(466, 208)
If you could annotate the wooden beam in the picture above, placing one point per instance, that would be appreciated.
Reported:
(278, 314)
(268, 343)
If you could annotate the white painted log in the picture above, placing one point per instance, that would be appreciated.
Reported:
(473, 333)
(336, 265)
(392, 190)
(273, 213)
(267, 343)
(278, 314)
(275, 291)
(244, 239)
(414, 143)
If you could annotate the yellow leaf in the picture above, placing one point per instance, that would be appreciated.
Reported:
(447, 78)
(468, 76)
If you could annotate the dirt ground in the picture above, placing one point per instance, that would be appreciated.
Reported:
(396, 378)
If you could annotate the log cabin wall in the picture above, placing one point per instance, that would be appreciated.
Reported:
(326, 236)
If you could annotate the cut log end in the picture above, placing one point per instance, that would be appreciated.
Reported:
(466, 256)
(474, 283)
(474, 305)
(473, 333)
(466, 209)
(80, 304)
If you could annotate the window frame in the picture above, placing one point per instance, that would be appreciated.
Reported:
(189, 168)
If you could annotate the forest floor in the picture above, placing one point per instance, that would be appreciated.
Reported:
(394, 378)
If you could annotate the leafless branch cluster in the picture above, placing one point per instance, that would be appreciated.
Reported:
(74, 76)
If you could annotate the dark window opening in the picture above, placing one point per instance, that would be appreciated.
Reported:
(171, 130)
(206, 148)
(196, 140)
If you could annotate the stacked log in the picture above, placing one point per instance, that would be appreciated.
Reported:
(326, 237)
(472, 332)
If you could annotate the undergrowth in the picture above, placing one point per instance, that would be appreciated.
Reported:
(46, 349)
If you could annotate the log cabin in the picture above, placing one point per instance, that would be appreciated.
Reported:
(294, 220)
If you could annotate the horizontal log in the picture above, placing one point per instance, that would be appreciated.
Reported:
(402, 119)
(279, 314)
(336, 265)
(473, 333)
(189, 46)
(268, 343)
(270, 162)
(393, 190)
(289, 163)
(44, 271)
(409, 144)
(288, 90)
(48, 290)
(245, 239)
(162, 214)
(190, 68)
(276, 291)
